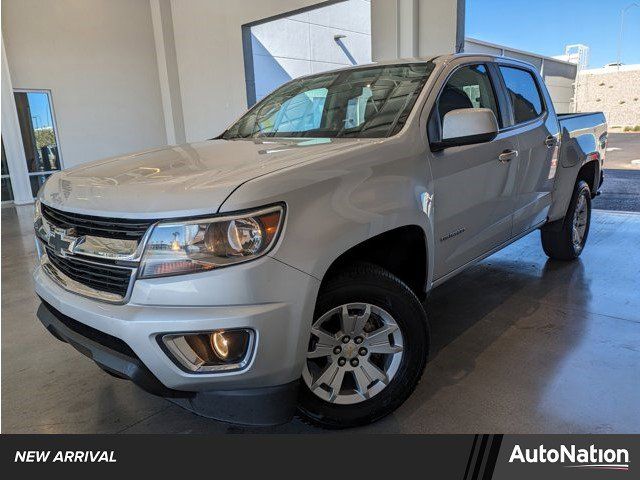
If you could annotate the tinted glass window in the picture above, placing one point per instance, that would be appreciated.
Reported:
(363, 102)
(7, 191)
(524, 94)
(468, 87)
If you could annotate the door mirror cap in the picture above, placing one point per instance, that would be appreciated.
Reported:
(466, 126)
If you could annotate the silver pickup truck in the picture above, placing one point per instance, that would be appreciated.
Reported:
(283, 266)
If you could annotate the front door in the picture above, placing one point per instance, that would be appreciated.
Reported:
(473, 184)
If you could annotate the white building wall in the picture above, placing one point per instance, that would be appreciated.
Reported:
(305, 43)
(210, 57)
(98, 59)
(416, 28)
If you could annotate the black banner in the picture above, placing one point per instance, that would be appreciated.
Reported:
(460, 457)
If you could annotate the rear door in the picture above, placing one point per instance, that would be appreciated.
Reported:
(532, 118)
(473, 188)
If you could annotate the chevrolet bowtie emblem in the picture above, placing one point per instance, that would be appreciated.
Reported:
(61, 241)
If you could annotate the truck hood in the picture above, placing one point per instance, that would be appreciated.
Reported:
(190, 179)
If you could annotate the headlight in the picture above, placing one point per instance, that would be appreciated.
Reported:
(199, 245)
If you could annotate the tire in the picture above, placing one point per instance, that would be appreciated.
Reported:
(389, 300)
(558, 243)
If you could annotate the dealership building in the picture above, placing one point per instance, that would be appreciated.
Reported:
(119, 76)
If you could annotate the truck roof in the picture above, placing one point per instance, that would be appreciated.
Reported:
(439, 59)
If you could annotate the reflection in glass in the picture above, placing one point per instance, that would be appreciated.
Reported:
(7, 190)
(38, 134)
(5, 167)
(36, 182)
(369, 102)
(525, 97)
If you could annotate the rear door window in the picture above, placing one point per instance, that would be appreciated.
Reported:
(524, 94)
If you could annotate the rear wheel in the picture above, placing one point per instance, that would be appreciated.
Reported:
(567, 242)
(368, 347)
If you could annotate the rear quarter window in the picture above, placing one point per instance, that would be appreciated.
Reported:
(524, 94)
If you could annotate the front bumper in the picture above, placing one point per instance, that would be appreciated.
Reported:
(256, 406)
(110, 353)
(273, 299)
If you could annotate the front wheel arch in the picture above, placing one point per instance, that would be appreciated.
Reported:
(402, 251)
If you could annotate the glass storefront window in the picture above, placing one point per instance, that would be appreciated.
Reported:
(39, 135)
(36, 182)
(7, 191)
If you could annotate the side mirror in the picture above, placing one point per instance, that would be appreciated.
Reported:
(466, 126)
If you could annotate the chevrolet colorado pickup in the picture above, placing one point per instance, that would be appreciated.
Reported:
(282, 267)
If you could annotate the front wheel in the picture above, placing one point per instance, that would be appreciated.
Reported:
(567, 242)
(368, 347)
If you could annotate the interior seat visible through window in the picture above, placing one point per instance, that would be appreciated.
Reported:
(468, 87)
(452, 99)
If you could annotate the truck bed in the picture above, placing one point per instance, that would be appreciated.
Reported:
(573, 122)
(564, 116)
(584, 127)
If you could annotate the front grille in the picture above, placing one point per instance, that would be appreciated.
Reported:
(122, 229)
(102, 277)
(98, 275)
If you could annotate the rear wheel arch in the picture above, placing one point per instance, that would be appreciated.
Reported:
(565, 182)
(590, 173)
(558, 239)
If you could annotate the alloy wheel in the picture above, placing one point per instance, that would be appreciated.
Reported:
(580, 218)
(354, 352)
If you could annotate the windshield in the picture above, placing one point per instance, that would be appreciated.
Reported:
(367, 102)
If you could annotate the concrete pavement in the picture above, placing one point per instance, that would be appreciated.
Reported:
(623, 151)
(621, 188)
(620, 191)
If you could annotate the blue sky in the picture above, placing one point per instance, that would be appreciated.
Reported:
(40, 113)
(546, 26)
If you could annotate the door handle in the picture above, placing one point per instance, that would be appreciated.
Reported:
(507, 155)
(550, 141)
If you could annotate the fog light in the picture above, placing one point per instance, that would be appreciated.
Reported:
(220, 345)
(211, 351)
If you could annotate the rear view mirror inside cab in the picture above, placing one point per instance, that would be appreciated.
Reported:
(466, 126)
